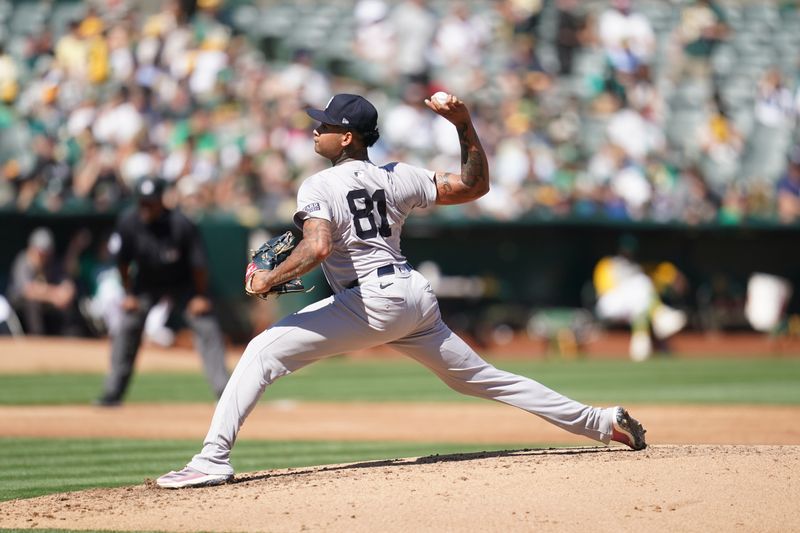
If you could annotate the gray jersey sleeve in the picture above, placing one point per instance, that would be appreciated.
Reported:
(311, 202)
(416, 185)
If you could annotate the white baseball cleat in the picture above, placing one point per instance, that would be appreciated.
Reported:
(189, 477)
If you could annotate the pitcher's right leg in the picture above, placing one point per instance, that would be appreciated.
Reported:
(455, 363)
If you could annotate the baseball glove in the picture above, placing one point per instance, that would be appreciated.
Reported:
(268, 256)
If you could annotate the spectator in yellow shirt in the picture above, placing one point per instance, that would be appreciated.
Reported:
(71, 52)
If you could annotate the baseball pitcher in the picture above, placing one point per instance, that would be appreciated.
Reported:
(351, 216)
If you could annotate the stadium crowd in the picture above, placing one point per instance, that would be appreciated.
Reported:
(593, 109)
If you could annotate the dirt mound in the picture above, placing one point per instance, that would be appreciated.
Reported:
(664, 488)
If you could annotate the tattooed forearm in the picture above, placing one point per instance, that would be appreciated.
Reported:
(444, 183)
(474, 165)
(310, 252)
(474, 179)
(462, 139)
(303, 259)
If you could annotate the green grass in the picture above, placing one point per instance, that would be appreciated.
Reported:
(33, 467)
(664, 380)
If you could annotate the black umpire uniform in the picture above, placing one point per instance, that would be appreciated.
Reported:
(161, 254)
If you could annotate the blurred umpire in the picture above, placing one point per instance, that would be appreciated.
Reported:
(160, 254)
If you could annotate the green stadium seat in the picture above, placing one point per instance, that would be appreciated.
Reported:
(63, 13)
(28, 17)
(593, 133)
(6, 8)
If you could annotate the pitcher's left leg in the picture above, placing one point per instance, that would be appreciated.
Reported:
(338, 324)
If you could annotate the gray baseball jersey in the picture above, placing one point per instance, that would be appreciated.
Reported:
(389, 303)
(366, 206)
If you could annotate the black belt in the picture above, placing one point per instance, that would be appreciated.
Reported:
(385, 270)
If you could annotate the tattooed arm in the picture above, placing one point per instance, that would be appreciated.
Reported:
(310, 252)
(473, 182)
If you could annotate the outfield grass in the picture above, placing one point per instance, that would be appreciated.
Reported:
(719, 381)
(32, 467)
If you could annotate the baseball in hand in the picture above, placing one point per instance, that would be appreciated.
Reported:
(440, 97)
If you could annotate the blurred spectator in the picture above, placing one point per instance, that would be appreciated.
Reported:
(302, 80)
(96, 179)
(570, 37)
(641, 93)
(121, 95)
(37, 45)
(40, 290)
(696, 203)
(144, 159)
(207, 63)
(721, 146)
(458, 45)
(49, 181)
(626, 36)
(119, 122)
(774, 106)
(120, 54)
(71, 52)
(788, 189)
(374, 40)
(630, 184)
(9, 77)
(734, 205)
(774, 113)
(414, 26)
(408, 125)
(521, 16)
(513, 167)
(277, 199)
(636, 133)
(626, 294)
(527, 66)
(92, 30)
(701, 27)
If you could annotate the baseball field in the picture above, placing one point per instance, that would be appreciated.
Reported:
(373, 442)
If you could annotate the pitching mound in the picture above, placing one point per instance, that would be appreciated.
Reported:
(665, 488)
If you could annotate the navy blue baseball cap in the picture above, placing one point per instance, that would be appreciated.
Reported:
(349, 110)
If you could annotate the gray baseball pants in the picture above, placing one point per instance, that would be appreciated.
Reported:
(125, 344)
(400, 311)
